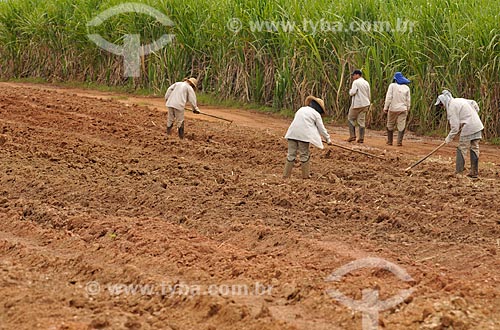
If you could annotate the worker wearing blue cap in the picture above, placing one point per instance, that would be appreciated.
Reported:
(397, 105)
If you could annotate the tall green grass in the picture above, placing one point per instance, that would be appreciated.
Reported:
(454, 45)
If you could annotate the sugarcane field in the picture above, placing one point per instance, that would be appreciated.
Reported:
(253, 165)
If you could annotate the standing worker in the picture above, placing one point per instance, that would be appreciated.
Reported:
(360, 92)
(397, 105)
(463, 116)
(307, 127)
(176, 97)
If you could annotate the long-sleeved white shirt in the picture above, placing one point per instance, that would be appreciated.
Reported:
(474, 105)
(461, 112)
(397, 98)
(307, 126)
(360, 92)
(179, 94)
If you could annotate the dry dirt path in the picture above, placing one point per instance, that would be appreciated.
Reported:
(417, 146)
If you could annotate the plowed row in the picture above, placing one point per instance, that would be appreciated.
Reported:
(93, 191)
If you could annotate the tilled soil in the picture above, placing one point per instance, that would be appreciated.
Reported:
(107, 223)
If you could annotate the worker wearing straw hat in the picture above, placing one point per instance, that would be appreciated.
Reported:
(463, 117)
(307, 127)
(397, 105)
(360, 93)
(176, 97)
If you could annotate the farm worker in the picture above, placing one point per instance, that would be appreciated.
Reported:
(397, 105)
(474, 105)
(463, 115)
(176, 97)
(360, 92)
(307, 127)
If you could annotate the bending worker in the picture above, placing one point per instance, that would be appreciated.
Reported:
(307, 127)
(176, 97)
(463, 115)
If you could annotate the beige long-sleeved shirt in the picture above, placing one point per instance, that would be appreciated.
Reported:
(307, 126)
(397, 98)
(360, 92)
(461, 113)
(179, 94)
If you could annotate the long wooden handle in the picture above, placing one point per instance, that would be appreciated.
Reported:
(358, 151)
(214, 116)
(421, 160)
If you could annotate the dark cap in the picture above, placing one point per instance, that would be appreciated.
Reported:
(357, 72)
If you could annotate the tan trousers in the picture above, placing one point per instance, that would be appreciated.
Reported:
(396, 119)
(175, 115)
(358, 115)
(302, 148)
(473, 145)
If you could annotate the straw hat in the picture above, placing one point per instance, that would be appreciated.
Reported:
(192, 81)
(318, 100)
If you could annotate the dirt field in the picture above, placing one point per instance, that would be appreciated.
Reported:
(107, 223)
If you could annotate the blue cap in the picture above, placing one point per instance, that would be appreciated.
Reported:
(400, 79)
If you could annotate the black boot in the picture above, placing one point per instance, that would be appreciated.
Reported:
(390, 137)
(474, 164)
(352, 132)
(460, 162)
(361, 135)
(181, 131)
(401, 134)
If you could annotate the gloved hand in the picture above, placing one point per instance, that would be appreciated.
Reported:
(448, 140)
(196, 111)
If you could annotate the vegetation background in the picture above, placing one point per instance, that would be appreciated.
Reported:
(446, 44)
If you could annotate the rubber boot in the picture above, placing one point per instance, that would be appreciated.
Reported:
(460, 162)
(288, 169)
(474, 164)
(361, 135)
(306, 169)
(401, 134)
(390, 137)
(181, 131)
(169, 129)
(352, 132)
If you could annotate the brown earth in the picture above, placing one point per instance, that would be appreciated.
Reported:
(96, 202)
